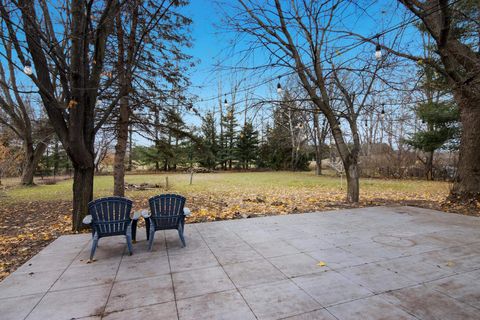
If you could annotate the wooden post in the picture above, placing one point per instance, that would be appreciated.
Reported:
(191, 177)
(166, 183)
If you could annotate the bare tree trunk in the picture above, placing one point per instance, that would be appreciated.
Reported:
(157, 137)
(130, 146)
(32, 157)
(353, 188)
(82, 194)
(319, 139)
(56, 159)
(125, 79)
(121, 149)
(429, 166)
(467, 181)
(28, 166)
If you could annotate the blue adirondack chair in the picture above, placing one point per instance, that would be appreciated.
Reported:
(110, 217)
(166, 212)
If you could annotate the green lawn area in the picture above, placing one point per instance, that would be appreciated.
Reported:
(214, 183)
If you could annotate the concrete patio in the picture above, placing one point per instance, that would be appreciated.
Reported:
(381, 263)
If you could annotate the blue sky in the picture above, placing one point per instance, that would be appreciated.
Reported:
(211, 42)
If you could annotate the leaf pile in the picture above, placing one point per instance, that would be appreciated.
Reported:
(26, 228)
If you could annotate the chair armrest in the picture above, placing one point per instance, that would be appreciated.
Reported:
(136, 215)
(186, 211)
(145, 214)
(87, 219)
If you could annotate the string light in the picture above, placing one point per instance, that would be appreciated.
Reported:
(225, 103)
(279, 86)
(383, 111)
(28, 68)
(378, 52)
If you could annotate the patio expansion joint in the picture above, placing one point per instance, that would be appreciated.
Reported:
(221, 265)
(446, 294)
(61, 274)
(171, 275)
(113, 283)
(378, 295)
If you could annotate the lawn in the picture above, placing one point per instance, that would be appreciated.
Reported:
(238, 183)
(31, 217)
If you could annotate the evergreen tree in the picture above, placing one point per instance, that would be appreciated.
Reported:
(247, 145)
(209, 145)
(229, 136)
(441, 126)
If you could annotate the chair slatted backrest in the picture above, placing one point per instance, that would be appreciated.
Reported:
(167, 210)
(111, 215)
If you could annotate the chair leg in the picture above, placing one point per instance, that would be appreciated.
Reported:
(150, 241)
(147, 227)
(134, 230)
(180, 234)
(94, 246)
(129, 239)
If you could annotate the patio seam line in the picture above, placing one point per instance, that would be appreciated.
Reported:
(171, 275)
(288, 278)
(371, 290)
(126, 309)
(48, 290)
(236, 288)
(113, 283)
(378, 296)
(299, 314)
(446, 294)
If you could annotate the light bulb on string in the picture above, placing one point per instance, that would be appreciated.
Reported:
(279, 88)
(225, 103)
(378, 52)
(28, 68)
(382, 114)
(378, 49)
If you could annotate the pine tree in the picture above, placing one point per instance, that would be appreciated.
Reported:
(441, 126)
(247, 145)
(209, 145)
(229, 136)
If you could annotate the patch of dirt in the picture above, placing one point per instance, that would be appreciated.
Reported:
(142, 186)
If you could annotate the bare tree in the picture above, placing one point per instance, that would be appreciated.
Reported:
(149, 36)
(67, 72)
(296, 35)
(19, 116)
